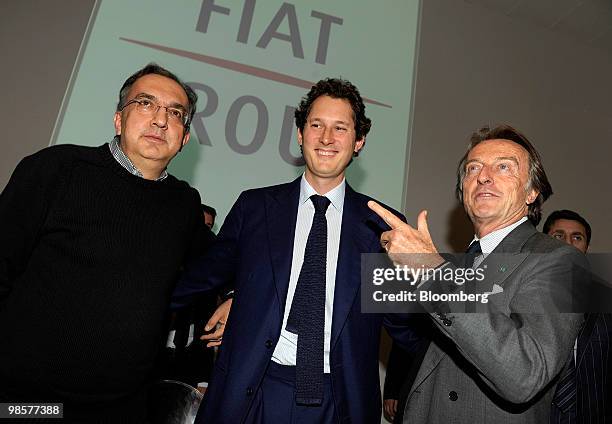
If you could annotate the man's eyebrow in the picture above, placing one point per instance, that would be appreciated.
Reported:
(340, 121)
(178, 105)
(510, 158)
(497, 159)
(145, 95)
(175, 105)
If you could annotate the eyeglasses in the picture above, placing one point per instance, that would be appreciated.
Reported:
(151, 107)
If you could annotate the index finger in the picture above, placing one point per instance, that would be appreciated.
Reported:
(387, 216)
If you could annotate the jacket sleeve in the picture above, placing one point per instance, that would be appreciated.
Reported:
(217, 267)
(398, 366)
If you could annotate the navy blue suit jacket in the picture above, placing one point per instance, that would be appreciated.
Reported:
(254, 249)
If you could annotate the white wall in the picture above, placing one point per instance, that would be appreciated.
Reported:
(39, 41)
(477, 67)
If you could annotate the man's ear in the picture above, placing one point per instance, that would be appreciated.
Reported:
(117, 122)
(532, 196)
(299, 136)
(185, 140)
(359, 145)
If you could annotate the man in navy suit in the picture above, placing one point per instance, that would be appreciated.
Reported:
(273, 368)
(592, 376)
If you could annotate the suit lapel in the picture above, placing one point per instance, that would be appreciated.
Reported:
(498, 268)
(355, 238)
(515, 241)
(431, 360)
(507, 256)
(281, 215)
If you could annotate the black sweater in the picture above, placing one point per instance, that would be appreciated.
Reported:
(89, 254)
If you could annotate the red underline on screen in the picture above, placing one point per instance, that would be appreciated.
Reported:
(240, 67)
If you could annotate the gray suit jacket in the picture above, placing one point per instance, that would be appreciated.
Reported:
(501, 366)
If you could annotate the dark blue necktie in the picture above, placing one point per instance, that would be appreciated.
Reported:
(307, 314)
(472, 253)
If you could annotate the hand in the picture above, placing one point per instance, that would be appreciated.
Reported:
(390, 408)
(406, 245)
(218, 319)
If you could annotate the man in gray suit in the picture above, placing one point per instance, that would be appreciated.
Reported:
(501, 366)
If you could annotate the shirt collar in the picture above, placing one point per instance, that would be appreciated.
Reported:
(335, 196)
(489, 242)
(126, 163)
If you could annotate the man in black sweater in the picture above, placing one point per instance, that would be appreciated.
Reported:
(92, 243)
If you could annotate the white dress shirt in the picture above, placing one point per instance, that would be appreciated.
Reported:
(286, 349)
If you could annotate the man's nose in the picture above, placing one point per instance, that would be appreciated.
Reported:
(484, 176)
(328, 136)
(160, 117)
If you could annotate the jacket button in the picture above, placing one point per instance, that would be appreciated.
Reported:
(268, 344)
(452, 395)
(249, 391)
(447, 322)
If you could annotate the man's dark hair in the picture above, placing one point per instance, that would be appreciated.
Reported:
(209, 210)
(537, 177)
(570, 216)
(336, 88)
(153, 68)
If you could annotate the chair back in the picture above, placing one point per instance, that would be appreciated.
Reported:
(173, 402)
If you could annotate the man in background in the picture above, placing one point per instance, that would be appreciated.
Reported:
(398, 366)
(402, 367)
(186, 357)
(569, 227)
(584, 393)
(209, 215)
